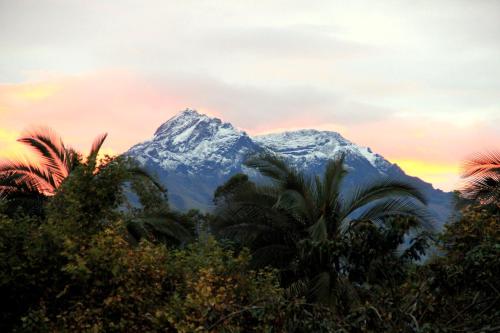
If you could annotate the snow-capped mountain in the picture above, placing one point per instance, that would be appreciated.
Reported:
(190, 143)
(192, 154)
(309, 149)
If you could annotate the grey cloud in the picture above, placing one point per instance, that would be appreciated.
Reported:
(252, 106)
(266, 56)
(296, 41)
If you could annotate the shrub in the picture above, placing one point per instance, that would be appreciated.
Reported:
(460, 291)
(107, 285)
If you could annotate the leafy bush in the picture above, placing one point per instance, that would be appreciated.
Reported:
(112, 287)
(30, 263)
(216, 291)
(90, 264)
(460, 291)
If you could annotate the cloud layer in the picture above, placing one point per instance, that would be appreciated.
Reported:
(419, 82)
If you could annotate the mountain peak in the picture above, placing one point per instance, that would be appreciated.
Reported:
(189, 111)
(192, 114)
(193, 153)
(193, 141)
(189, 127)
(180, 120)
(308, 146)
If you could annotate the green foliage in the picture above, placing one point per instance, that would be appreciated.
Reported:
(319, 237)
(89, 197)
(152, 195)
(30, 263)
(76, 269)
(109, 286)
(235, 183)
(217, 292)
(154, 220)
(460, 290)
(92, 263)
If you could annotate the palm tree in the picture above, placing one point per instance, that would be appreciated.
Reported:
(28, 184)
(302, 224)
(56, 161)
(169, 228)
(482, 176)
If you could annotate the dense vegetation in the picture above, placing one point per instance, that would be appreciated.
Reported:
(295, 254)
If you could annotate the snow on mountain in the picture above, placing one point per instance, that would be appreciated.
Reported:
(193, 142)
(309, 147)
(192, 154)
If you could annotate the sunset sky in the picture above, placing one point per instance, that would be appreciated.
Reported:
(417, 81)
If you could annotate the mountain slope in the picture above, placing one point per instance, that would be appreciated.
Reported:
(310, 150)
(192, 154)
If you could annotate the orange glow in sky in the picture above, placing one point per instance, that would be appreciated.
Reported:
(80, 108)
(34, 91)
(416, 81)
(446, 175)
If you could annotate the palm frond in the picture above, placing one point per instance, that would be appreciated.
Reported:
(379, 190)
(485, 189)
(34, 175)
(44, 141)
(294, 204)
(44, 151)
(482, 163)
(270, 166)
(160, 228)
(318, 230)
(391, 207)
(482, 178)
(334, 174)
(50, 149)
(16, 183)
(96, 146)
(141, 174)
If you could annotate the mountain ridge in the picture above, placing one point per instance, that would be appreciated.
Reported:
(192, 154)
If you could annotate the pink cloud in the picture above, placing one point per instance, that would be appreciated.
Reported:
(131, 107)
(82, 107)
(424, 139)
